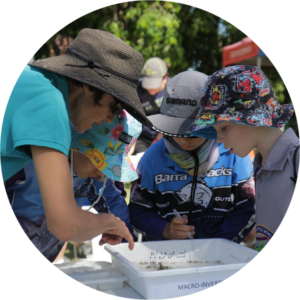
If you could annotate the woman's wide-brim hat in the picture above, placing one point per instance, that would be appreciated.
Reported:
(242, 94)
(108, 145)
(103, 61)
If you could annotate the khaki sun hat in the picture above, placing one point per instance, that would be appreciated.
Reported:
(103, 61)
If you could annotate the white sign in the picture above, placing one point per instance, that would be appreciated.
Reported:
(189, 287)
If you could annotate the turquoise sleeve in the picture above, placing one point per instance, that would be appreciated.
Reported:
(42, 121)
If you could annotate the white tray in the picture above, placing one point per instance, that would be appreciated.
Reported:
(224, 258)
(101, 276)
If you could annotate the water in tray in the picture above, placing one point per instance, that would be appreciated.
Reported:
(152, 266)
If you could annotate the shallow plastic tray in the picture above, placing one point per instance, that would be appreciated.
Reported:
(225, 257)
(97, 275)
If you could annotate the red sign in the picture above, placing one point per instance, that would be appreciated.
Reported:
(239, 51)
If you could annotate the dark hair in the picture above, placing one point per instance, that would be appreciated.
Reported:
(61, 43)
(98, 95)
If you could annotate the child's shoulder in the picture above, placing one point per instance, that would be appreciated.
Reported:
(157, 148)
(286, 144)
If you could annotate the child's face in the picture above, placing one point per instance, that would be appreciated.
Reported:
(84, 167)
(189, 144)
(239, 138)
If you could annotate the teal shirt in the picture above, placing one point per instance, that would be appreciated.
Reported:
(37, 114)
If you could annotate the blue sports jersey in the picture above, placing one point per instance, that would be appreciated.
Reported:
(223, 205)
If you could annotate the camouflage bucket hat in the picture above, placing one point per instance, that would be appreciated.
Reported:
(108, 145)
(242, 94)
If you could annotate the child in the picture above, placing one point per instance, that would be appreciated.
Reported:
(107, 196)
(212, 189)
(239, 107)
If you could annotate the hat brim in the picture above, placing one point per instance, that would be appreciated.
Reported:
(179, 127)
(126, 171)
(172, 126)
(248, 117)
(151, 83)
(73, 67)
(206, 132)
(107, 151)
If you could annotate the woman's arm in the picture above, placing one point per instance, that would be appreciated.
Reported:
(113, 201)
(64, 218)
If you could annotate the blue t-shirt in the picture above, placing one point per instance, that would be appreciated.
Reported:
(37, 114)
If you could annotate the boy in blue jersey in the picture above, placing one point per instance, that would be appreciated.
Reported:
(87, 85)
(212, 189)
(91, 159)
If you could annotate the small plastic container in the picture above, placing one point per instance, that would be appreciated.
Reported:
(222, 259)
(100, 275)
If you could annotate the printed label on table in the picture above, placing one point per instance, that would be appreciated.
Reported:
(190, 287)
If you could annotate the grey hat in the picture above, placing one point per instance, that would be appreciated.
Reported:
(180, 104)
(103, 61)
(153, 73)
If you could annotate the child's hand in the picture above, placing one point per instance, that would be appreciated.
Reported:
(178, 229)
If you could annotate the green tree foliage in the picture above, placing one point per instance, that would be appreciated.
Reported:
(183, 36)
(152, 29)
(201, 39)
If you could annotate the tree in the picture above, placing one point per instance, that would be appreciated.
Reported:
(201, 39)
(152, 28)
(183, 36)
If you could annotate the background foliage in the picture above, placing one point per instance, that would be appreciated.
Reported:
(183, 36)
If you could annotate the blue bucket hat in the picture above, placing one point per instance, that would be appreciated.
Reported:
(242, 94)
(108, 145)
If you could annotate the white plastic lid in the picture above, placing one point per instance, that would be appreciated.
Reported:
(92, 272)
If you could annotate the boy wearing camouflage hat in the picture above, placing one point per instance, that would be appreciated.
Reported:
(239, 107)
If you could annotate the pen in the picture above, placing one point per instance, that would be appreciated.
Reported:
(179, 216)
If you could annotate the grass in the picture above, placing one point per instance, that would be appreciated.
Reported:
(127, 187)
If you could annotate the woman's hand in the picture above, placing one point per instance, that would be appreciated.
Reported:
(111, 239)
(115, 235)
